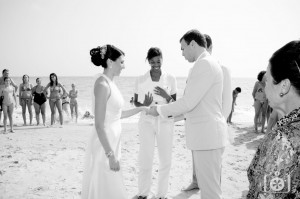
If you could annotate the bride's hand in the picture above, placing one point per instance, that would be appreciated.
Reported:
(114, 164)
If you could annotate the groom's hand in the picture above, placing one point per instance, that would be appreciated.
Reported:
(153, 111)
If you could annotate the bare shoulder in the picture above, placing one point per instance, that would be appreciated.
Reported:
(101, 83)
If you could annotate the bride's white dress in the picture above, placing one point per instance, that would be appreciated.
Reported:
(99, 182)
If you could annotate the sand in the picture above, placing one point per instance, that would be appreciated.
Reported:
(41, 162)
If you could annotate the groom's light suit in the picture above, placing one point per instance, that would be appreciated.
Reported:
(205, 126)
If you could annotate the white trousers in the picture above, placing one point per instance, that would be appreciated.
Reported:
(208, 168)
(162, 132)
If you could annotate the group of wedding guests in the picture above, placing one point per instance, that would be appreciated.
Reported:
(37, 96)
(274, 171)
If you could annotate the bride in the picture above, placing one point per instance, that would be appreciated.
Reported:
(102, 178)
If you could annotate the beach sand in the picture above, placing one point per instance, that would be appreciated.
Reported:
(41, 162)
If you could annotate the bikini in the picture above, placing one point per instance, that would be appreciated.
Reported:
(260, 94)
(55, 88)
(64, 100)
(25, 89)
(73, 99)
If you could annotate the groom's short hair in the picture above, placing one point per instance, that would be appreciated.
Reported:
(195, 35)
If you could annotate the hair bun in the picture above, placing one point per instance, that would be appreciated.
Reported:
(96, 56)
(95, 51)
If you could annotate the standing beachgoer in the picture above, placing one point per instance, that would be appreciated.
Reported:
(5, 73)
(39, 99)
(55, 97)
(73, 94)
(9, 103)
(260, 101)
(25, 98)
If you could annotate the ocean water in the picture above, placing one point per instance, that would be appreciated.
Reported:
(84, 85)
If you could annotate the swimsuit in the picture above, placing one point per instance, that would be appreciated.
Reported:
(39, 98)
(25, 99)
(260, 94)
(64, 100)
(8, 98)
(73, 100)
(53, 89)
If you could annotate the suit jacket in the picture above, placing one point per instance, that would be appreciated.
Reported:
(205, 126)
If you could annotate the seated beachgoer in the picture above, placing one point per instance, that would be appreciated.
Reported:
(87, 115)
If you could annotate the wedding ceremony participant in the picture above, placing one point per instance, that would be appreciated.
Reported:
(205, 126)
(260, 101)
(235, 93)
(102, 178)
(9, 103)
(25, 98)
(154, 87)
(39, 99)
(55, 97)
(226, 104)
(73, 94)
(274, 171)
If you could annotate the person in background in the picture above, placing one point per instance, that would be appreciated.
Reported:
(102, 178)
(274, 171)
(226, 104)
(235, 93)
(55, 98)
(73, 102)
(9, 103)
(39, 99)
(87, 115)
(25, 98)
(274, 117)
(154, 87)
(5, 73)
(65, 103)
(260, 101)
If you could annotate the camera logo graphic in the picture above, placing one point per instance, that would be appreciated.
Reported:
(276, 183)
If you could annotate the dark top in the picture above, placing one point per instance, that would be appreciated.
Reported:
(275, 169)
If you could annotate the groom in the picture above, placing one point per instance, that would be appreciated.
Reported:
(201, 104)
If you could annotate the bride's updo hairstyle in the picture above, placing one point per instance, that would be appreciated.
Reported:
(100, 55)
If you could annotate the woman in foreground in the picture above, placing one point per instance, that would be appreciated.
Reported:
(102, 177)
(275, 170)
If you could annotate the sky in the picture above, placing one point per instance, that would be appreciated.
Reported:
(38, 37)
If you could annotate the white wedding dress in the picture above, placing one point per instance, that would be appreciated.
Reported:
(99, 182)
